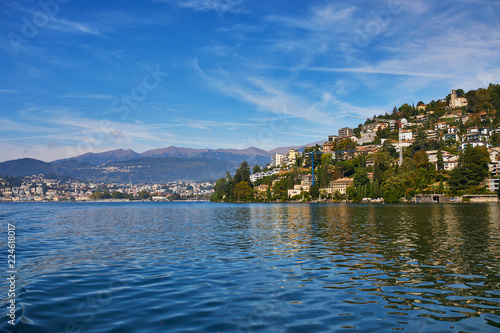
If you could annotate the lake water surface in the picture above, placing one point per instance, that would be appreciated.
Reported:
(205, 267)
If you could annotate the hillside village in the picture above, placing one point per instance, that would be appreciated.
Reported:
(446, 150)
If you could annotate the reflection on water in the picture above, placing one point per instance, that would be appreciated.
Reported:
(177, 267)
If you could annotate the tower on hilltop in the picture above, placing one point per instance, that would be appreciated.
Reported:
(457, 102)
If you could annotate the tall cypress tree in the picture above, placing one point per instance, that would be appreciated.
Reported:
(440, 161)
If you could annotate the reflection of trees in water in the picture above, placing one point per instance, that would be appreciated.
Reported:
(436, 261)
(429, 258)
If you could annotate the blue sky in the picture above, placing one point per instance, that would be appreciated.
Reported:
(80, 76)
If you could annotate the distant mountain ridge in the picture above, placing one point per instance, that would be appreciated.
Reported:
(156, 165)
(252, 155)
(104, 157)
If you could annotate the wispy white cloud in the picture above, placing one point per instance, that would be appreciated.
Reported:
(261, 92)
(299, 134)
(380, 70)
(67, 135)
(56, 22)
(207, 5)
(319, 18)
(8, 91)
(90, 96)
(64, 25)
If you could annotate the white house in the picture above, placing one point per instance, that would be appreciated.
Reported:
(440, 126)
(475, 144)
(277, 160)
(405, 135)
(450, 161)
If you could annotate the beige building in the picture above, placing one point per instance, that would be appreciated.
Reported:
(297, 189)
(341, 185)
(457, 102)
(292, 154)
(327, 147)
(346, 131)
(494, 166)
(367, 137)
(450, 161)
(432, 134)
(374, 127)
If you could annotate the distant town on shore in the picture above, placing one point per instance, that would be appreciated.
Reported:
(441, 151)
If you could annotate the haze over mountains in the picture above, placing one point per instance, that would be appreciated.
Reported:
(156, 165)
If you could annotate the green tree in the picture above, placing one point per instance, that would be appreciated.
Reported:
(471, 170)
(314, 191)
(144, 195)
(242, 174)
(243, 191)
(118, 195)
(421, 159)
(389, 149)
(256, 169)
(376, 189)
(396, 187)
(221, 189)
(440, 160)
(347, 167)
(281, 187)
(495, 139)
(405, 109)
(377, 174)
(408, 165)
(268, 194)
(361, 177)
(351, 192)
(326, 159)
(323, 176)
(441, 186)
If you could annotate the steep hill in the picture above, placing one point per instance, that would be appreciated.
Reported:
(25, 167)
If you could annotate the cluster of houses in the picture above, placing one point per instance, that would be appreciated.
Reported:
(337, 186)
(446, 129)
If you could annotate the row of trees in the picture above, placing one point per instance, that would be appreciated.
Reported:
(98, 195)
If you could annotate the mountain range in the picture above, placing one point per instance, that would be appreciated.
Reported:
(156, 165)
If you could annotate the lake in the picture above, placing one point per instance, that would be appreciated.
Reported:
(207, 267)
